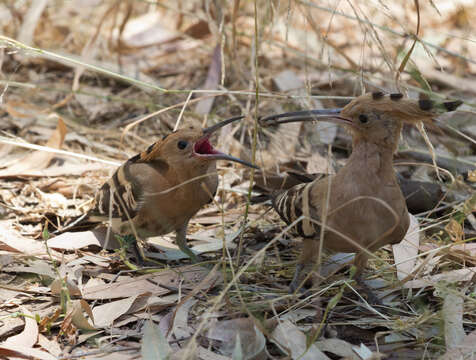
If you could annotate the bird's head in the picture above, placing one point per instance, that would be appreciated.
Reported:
(378, 118)
(373, 117)
(190, 147)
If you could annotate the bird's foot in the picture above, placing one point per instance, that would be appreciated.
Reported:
(302, 292)
(130, 242)
(194, 258)
(372, 298)
(200, 261)
(294, 288)
(298, 281)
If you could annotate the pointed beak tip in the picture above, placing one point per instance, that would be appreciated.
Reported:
(240, 161)
(236, 160)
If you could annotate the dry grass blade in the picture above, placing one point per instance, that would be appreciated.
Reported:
(409, 53)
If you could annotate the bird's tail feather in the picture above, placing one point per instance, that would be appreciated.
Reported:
(264, 196)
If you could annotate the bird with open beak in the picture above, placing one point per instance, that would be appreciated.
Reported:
(361, 208)
(160, 189)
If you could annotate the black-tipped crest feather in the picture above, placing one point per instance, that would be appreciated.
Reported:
(401, 108)
(425, 104)
(377, 95)
(452, 105)
(396, 96)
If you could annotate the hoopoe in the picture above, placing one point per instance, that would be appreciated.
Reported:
(362, 205)
(160, 189)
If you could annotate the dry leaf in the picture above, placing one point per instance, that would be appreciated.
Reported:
(74, 240)
(146, 30)
(29, 336)
(298, 314)
(472, 176)
(46, 321)
(455, 230)
(251, 340)
(30, 21)
(465, 350)
(52, 346)
(105, 315)
(180, 327)
(288, 337)
(186, 276)
(57, 285)
(453, 319)
(338, 347)
(449, 276)
(38, 160)
(13, 350)
(206, 354)
(81, 239)
(12, 241)
(76, 316)
(366, 354)
(204, 106)
(39, 267)
(212, 244)
(154, 344)
(405, 253)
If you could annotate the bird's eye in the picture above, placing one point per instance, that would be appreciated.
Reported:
(182, 144)
(363, 118)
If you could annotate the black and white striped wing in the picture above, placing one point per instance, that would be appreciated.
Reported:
(121, 197)
(295, 202)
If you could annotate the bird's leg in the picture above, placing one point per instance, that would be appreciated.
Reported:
(128, 241)
(360, 262)
(138, 253)
(296, 278)
(309, 252)
(181, 239)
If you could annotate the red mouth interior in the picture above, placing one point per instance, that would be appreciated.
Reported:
(203, 147)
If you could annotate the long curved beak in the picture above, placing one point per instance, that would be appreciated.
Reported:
(210, 130)
(204, 149)
(306, 115)
(218, 155)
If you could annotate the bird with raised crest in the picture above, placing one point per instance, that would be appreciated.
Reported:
(361, 208)
(160, 189)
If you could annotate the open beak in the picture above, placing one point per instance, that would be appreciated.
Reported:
(329, 115)
(204, 149)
